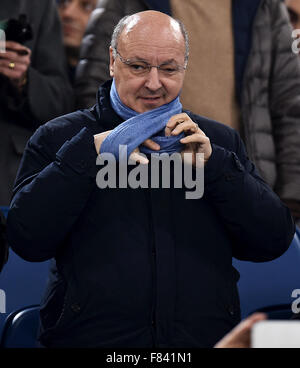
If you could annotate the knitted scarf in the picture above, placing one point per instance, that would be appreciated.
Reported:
(138, 127)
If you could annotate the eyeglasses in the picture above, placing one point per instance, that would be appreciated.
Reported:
(141, 68)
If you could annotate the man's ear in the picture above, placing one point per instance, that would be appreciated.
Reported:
(111, 62)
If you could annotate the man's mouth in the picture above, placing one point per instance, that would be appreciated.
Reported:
(151, 99)
(70, 29)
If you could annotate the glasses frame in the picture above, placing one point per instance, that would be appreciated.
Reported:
(129, 63)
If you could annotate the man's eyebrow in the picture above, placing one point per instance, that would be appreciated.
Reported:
(169, 61)
(137, 58)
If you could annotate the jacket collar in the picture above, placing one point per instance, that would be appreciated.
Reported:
(103, 110)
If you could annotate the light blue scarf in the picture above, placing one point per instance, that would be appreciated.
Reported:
(138, 127)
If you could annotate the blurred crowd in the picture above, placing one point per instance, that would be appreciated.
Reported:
(57, 56)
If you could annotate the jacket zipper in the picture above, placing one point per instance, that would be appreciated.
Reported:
(154, 273)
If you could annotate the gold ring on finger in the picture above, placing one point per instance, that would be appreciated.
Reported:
(11, 65)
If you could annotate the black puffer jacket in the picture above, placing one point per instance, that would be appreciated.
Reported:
(271, 101)
(47, 93)
(267, 80)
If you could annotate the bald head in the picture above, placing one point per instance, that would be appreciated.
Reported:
(148, 58)
(152, 25)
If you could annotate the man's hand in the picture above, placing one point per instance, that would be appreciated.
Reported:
(135, 155)
(15, 62)
(240, 336)
(195, 141)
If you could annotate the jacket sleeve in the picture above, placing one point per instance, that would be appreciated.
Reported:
(259, 224)
(285, 105)
(93, 67)
(51, 191)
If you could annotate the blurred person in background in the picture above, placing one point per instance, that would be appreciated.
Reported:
(293, 7)
(241, 72)
(34, 85)
(74, 15)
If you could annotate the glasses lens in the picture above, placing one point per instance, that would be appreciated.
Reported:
(169, 69)
(138, 67)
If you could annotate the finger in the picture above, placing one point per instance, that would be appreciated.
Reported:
(239, 337)
(102, 135)
(12, 54)
(248, 323)
(24, 52)
(174, 121)
(177, 118)
(17, 72)
(186, 126)
(10, 57)
(12, 45)
(20, 66)
(99, 138)
(20, 53)
(138, 158)
(257, 317)
(10, 73)
(168, 129)
(151, 144)
(195, 138)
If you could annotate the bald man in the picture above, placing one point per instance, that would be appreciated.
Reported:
(142, 264)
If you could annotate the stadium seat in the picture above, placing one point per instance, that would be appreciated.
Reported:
(21, 328)
(22, 282)
(269, 284)
(4, 210)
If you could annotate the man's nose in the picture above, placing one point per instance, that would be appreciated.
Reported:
(153, 79)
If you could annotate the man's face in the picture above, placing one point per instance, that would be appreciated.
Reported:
(155, 46)
(74, 16)
(294, 12)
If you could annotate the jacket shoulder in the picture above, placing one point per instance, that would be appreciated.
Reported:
(57, 131)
